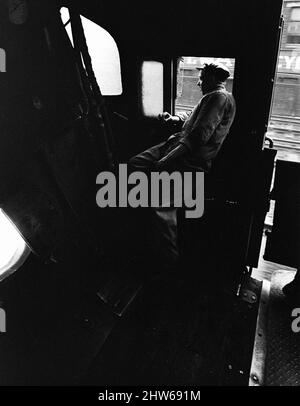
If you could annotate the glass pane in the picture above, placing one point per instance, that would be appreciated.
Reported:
(293, 27)
(152, 88)
(295, 14)
(293, 39)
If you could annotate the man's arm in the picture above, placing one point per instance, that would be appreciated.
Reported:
(209, 117)
(177, 120)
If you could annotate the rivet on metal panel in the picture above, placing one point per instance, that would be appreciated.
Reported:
(37, 103)
(249, 296)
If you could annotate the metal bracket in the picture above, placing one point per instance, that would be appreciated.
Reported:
(248, 296)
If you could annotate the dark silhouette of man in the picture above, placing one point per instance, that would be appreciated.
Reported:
(196, 141)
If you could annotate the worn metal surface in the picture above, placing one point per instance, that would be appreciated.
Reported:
(283, 351)
(238, 349)
(260, 346)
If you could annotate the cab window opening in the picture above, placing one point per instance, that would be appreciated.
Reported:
(188, 93)
(284, 122)
(152, 88)
(293, 26)
(104, 54)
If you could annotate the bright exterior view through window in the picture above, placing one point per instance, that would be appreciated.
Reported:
(284, 125)
(104, 53)
(188, 93)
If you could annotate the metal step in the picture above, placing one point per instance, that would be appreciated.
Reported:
(283, 344)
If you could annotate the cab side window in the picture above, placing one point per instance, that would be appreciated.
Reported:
(104, 54)
(152, 88)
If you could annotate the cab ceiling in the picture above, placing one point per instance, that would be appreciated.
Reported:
(168, 27)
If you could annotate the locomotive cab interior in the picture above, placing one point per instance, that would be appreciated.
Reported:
(85, 301)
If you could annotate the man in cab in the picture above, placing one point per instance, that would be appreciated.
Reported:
(196, 141)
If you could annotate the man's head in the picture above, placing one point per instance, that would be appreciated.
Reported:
(211, 75)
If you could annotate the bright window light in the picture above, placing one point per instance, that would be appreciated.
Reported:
(104, 54)
(152, 88)
(12, 246)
